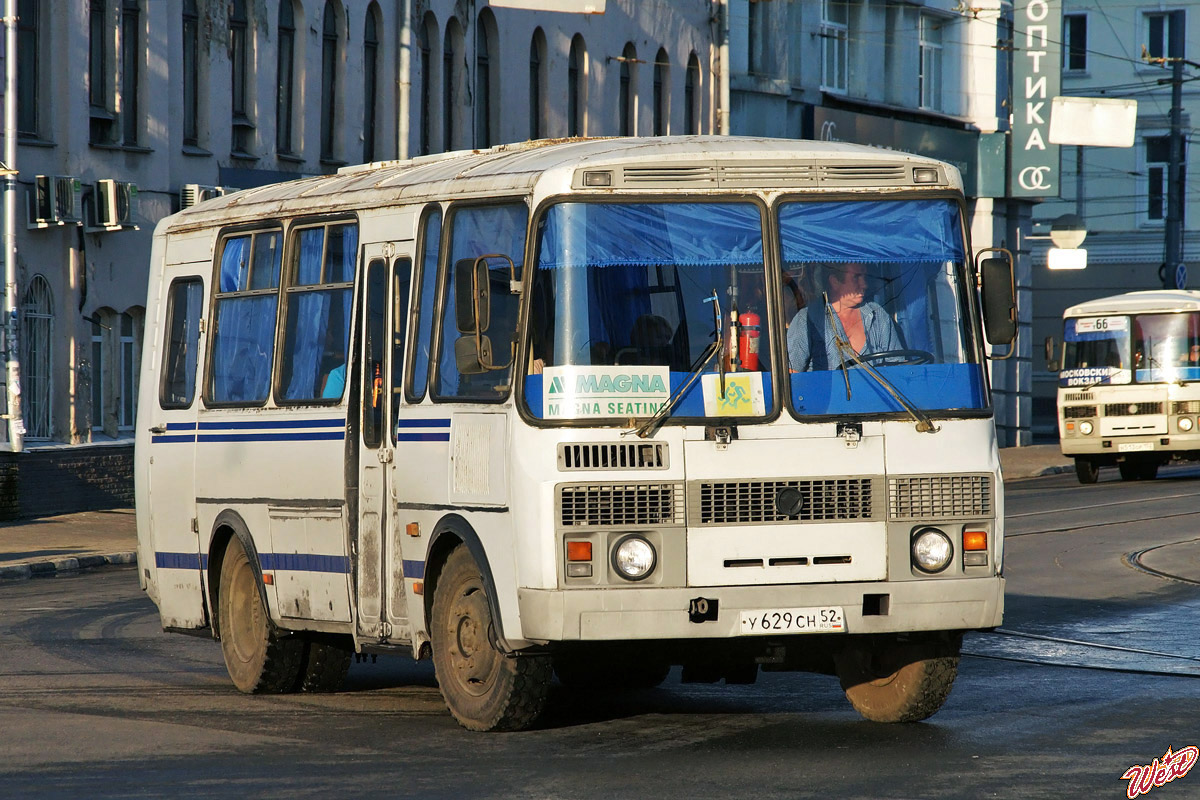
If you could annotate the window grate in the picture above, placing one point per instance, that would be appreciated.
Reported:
(1186, 407)
(1132, 409)
(1078, 412)
(611, 505)
(1077, 397)
(754, 502)
(939, 496)
(612, 455)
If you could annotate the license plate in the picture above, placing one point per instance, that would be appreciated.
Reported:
(1134, 447)
(815, 619)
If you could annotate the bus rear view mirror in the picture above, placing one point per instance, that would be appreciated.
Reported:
(1052, 364)
(999, 300)
(472, 295)
(472, 354)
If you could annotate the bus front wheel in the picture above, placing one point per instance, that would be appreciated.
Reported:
(260, 660)
(1087, 470)
(485, 689)
(887, 680)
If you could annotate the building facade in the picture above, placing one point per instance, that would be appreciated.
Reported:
(129, 109)
(1116, 50)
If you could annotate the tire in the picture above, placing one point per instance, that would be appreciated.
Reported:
(484, 689)
(260, 660)
(891, 681)
(1130, 470)
(1087, 470)
(325, 664)
(1149, 471)
(590, 674)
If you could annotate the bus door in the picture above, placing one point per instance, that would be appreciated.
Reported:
(171, 466)
(379, 579)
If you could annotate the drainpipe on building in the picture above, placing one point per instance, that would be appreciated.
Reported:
(405, 78)
(16, 423)
(723, 74)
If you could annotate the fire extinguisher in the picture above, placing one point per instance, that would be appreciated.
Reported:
(749, 330)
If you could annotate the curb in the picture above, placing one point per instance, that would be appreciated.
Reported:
(52, 567)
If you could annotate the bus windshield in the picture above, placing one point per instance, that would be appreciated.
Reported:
(622, 307)
(1095, 351)
(1166, 347)
(874, 307)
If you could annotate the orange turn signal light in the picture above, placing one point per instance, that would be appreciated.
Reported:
(418, 587)
(268, 579)
(579, 551)
(974, 540)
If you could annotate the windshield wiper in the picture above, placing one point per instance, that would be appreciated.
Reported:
(647, 428)
(924, 424)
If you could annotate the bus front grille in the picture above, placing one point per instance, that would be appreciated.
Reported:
(590, 505)
(587, 456)
(1077, 397)
(755, 502)
(1185, 407)
(1078, 412)
(939, 496)
(1132, 409)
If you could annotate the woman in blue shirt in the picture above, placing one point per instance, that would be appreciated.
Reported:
(862, 324)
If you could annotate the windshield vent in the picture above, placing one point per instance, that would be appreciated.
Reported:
(864, 174)
(1186, 407)
(939, 497)
(681, 175)
(1077, 397)
(754, 502)
(1131, 409)
(601, 455)
(1078, 412)
(753, 176)
(593, 505)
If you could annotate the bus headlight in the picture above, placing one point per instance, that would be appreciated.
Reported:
(1085, 428)
(634, 558)
(931, 550)
(1185, 424)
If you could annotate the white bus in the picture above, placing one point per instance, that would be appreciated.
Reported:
(573, 408)
(1129, 384)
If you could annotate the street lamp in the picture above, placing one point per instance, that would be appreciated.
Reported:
(1067, 232)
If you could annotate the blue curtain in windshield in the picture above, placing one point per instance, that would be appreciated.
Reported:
(871, 231)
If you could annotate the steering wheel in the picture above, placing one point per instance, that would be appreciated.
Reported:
(900, 357)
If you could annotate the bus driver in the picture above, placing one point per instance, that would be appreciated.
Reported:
(862, 324)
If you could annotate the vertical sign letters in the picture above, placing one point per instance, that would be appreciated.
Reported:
(1037, 78)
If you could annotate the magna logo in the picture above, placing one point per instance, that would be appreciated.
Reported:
(1173, 764)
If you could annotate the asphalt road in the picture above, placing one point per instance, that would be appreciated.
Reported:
(1096, 670)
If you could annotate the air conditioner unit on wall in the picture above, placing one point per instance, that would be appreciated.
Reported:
(192, 193)
(54, 200)
(112, 205)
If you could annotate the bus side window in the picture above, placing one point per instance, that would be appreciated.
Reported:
(474, 232)
(243, 339)
(422, 305)
(184, 301)
(401, 287)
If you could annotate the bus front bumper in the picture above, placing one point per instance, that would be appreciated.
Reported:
(616, 614)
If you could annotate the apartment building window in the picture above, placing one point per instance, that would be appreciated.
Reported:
(330, 56)
(1074, 45)
(97, 373)
(131, 57)
(1158, 159)
(286, 79)
(930, 78)
(486, 60)
(128, 356)
(370, 80)
(1157, 27)
(241, 129)
(662, 93)
(37, 329)
(577, 87)
(834, 52)
(761, 48)
(101, 117)
(537, 83)
(451, 75)
(191, 74)
(426, 34)
(691, 96)
(28, 74)
(627, 93)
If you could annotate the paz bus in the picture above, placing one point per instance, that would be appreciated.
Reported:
(543, 411)
(1129, 382)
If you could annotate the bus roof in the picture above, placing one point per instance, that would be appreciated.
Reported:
(1138, 303)
(662, 163)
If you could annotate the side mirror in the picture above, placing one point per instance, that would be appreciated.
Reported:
(472, 295)
(999, 300)
(1051, 354)
(472, 354)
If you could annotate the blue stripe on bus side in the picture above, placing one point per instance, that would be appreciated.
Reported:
(414, 569)
(177, 560)
(422, 423)
(274, 437)
(303, 562)
(190, 438)
(422, 437)
(336, 422)
(181, 426)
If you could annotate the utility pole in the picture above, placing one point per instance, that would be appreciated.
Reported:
(16, 422)
(1174, 275)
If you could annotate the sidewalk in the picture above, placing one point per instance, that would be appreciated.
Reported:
(43, 547)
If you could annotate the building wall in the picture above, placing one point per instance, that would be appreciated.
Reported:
(94, 277)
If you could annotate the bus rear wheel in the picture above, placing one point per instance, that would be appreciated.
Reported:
(485, 689)
(260, 660)
(893, 681)
(1087, 470)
